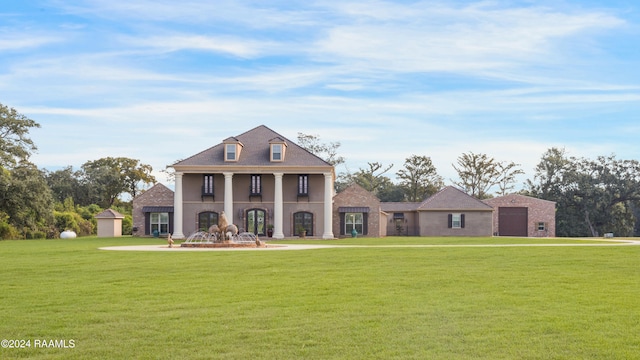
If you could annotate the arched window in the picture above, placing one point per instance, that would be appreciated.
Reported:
(303, 220)
(206, 219)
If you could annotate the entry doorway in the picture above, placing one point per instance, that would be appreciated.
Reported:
(256, 221)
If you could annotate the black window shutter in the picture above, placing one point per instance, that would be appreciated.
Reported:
(450, 221)
(147, 223)
(365, 226)
(462, 221)
(341, 223)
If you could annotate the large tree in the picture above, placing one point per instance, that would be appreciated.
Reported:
(477, 174)
(26, 198)
(108, 178)
(592, 196)
(419, 178)
(15, 145)
(65, 183)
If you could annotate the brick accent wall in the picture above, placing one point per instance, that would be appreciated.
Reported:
(158, 195)
(539, 211)
(356, 196)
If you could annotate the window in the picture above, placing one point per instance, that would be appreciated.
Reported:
(206, 219)
(278, 147)
(207, 185)
(230, 152)
(542, 226)
(303, 220)
(159, 222)
(256, 185)
(276, 152)
(303, 185)
(456, 221)
(354, 221)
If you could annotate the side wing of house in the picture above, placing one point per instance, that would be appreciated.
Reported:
(451, 212)
(402, 218)
(519, 215)
(357, 209)
(153, 211)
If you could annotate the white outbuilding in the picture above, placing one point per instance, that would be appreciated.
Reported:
(109, 223)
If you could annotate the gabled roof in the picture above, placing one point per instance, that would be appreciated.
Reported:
(516, 198)
(255, 152)
(358, 194)
(109, 214)
(390, 207)
(158, 188)
(451, 198)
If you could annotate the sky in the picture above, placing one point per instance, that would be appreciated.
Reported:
(161, 80)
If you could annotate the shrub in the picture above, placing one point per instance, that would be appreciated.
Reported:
(7, 231)
(66, 221)
(127, 225)
(30, 234)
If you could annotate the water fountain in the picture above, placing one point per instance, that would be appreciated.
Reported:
(206, 239)
(222, 236)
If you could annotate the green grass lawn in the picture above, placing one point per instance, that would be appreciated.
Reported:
(336, 303)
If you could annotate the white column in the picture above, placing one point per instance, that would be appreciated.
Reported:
(328, 206)
(177, 208)
(228, 196)
(278, 208)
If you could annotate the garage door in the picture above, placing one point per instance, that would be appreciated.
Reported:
(512, 221)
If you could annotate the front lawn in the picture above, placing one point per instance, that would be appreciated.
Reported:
(415, 240)
(337, 303)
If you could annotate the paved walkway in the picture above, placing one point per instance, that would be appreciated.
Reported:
(597, 242)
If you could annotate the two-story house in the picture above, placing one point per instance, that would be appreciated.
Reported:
(260, 180)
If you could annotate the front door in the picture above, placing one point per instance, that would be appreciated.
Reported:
(255, 222)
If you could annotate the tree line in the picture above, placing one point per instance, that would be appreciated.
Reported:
(593, 196)
(37, 203)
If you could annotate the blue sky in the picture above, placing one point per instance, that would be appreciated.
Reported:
(162, 80)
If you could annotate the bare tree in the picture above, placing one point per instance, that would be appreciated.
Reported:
(328, 152)
(507, 178)
(477, 173)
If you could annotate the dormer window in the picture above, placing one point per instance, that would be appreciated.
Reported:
(276, 152)
(232, 148)
(230, 152)
(278, 147)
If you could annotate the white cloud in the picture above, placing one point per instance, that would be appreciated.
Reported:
(162, 80)
(422, 37)
(25, 41)
(232, 45)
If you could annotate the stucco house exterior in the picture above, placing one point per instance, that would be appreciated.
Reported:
(401, 218)
(258, 179)
(519, 215)
(451, 212)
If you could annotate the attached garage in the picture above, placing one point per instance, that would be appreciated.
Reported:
(519, 215)
(512, 221)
